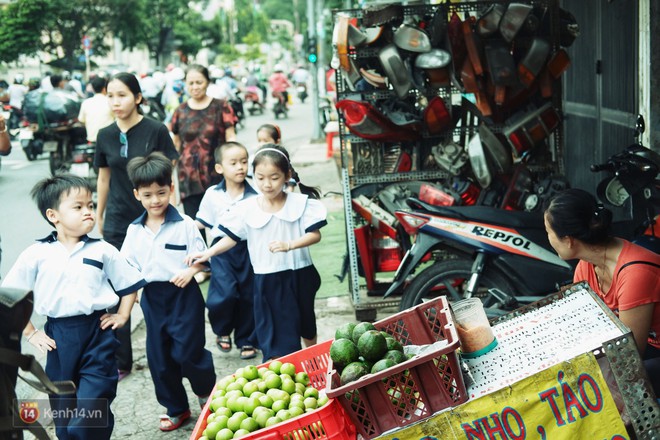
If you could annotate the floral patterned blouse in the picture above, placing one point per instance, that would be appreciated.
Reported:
(200, 131)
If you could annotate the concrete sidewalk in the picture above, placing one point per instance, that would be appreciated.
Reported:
(135, 408)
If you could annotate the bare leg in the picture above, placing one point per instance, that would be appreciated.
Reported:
(309, 342)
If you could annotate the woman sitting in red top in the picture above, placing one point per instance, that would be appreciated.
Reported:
(625, 276)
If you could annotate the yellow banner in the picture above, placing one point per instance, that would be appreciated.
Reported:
(562, 402)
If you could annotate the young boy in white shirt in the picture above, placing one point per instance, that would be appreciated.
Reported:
(75, 279)
(156, 243)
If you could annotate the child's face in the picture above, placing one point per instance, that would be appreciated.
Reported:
(123, 102)
(270, 179)
(263, 137)
(234, 164)
(75, 215)
(154, 198)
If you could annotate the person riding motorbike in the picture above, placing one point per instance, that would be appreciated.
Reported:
(300, 77)
(279, 84)
(17, 92)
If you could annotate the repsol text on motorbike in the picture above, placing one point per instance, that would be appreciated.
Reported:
(503, 257)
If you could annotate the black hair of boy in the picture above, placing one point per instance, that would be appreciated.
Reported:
(217, 154)
(48, 192)
(153, 168)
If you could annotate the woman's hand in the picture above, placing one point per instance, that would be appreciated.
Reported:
(199, 257)
(42, 341)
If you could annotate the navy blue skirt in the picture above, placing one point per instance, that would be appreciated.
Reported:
(284, 309)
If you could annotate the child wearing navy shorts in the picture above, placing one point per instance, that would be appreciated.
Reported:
(156, 243)
(230, 296)
(279, 227)
(72, 276)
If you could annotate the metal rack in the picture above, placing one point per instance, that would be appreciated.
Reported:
(365, 162)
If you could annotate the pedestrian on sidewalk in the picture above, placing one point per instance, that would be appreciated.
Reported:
(200, 125)
(131, 135)
(230, 299)
(172, 302)
(279, 227)
(71, 275)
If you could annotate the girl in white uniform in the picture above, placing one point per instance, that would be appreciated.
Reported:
(278, 226)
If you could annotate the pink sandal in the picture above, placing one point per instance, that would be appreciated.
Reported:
(168, 423)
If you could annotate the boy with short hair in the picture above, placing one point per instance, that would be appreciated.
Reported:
(156, 243)
(73, 277)
(230, 299)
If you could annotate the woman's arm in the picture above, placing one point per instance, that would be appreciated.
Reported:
(638, 320)
(230, 134)
(102, 190)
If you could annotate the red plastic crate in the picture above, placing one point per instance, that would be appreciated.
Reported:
(414, 389)
(328, 422)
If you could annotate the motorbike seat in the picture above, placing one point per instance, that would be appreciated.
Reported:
(485, 214)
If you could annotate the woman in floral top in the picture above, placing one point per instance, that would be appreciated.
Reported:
(199, 125)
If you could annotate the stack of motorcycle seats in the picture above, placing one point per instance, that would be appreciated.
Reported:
(404, 62)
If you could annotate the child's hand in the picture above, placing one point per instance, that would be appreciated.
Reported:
(182, 278)
(113, 320)
(279, 246)
(42, 341)
(199, 257)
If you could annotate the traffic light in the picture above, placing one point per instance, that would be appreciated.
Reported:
(311, 50)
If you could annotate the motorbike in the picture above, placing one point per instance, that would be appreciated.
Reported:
(280, 106)
(153, 109)
(327, 110)
(236, 104)
(12, 117)
(253, 100)
(500, 255)
(301, 90)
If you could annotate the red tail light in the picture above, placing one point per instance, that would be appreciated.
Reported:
(388, 252)
(411, 222)
(435, 196)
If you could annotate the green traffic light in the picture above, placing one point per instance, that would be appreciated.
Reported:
(312, 57)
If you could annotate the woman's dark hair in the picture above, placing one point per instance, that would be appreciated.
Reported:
(201, 69)
(576, 213)
(48, 192)
(152, 168)
(217, 154)
(279, 157)
(273, 131)
(132, 83)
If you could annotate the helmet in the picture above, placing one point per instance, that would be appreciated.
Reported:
(78, 76)
(178, 73)
(278, 68)
(66, 75)
(178, 86)
(18, 79)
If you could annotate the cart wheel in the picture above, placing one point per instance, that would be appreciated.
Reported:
(368, 315)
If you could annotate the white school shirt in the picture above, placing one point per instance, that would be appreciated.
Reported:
(159, 255)
(299, 215)
(73, 283)
(215, 202)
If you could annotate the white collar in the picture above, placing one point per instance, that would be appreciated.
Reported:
(293, 209)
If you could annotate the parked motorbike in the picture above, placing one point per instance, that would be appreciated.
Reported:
(253, 101)
(280, 106)
(32, 145)
(501, 256)
(237, 105)
(327, 110)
